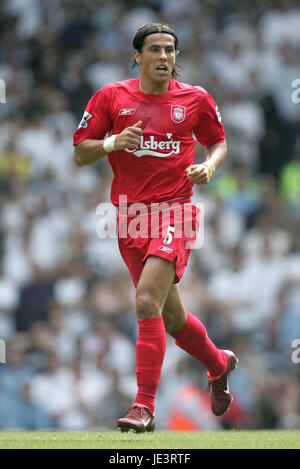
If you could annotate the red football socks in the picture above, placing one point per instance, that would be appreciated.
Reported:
(150, 352)
(192, 338)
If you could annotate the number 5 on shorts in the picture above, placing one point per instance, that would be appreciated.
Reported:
(169, 237)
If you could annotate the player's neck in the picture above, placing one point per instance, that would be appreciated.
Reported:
(150, 87)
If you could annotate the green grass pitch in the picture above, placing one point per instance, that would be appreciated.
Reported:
(230, 439)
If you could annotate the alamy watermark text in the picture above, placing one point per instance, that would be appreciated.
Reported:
(2, 351)
(2, 91)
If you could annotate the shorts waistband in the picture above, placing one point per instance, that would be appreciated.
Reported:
(152, 207)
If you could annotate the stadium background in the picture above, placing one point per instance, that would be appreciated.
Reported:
(66, 299)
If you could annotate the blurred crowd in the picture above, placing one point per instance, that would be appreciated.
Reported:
(67, 311)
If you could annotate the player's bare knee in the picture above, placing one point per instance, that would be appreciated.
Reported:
(146, 305)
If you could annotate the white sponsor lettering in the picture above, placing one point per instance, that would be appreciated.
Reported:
(148, 147)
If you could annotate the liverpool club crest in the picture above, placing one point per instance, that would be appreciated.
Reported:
(178, 113)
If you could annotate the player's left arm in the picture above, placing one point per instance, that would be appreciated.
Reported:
(203, 172)
(209, 131)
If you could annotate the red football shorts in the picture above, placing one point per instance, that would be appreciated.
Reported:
(167, 232)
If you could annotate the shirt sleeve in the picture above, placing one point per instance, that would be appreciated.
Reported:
(96, 119)
(209, 128)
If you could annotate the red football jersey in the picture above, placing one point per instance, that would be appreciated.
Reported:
(171, 123)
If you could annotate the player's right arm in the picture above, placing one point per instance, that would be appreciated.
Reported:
(90, 144)
(89, 151)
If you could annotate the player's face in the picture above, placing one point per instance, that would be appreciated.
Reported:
(157, 59)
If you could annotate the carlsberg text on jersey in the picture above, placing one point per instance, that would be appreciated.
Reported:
(147, 147)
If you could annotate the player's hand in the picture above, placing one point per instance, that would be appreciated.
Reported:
(198, 173)
(129, 137)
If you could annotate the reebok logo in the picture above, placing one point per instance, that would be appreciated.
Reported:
(127, 111)
(150, 147)
(165, 249)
